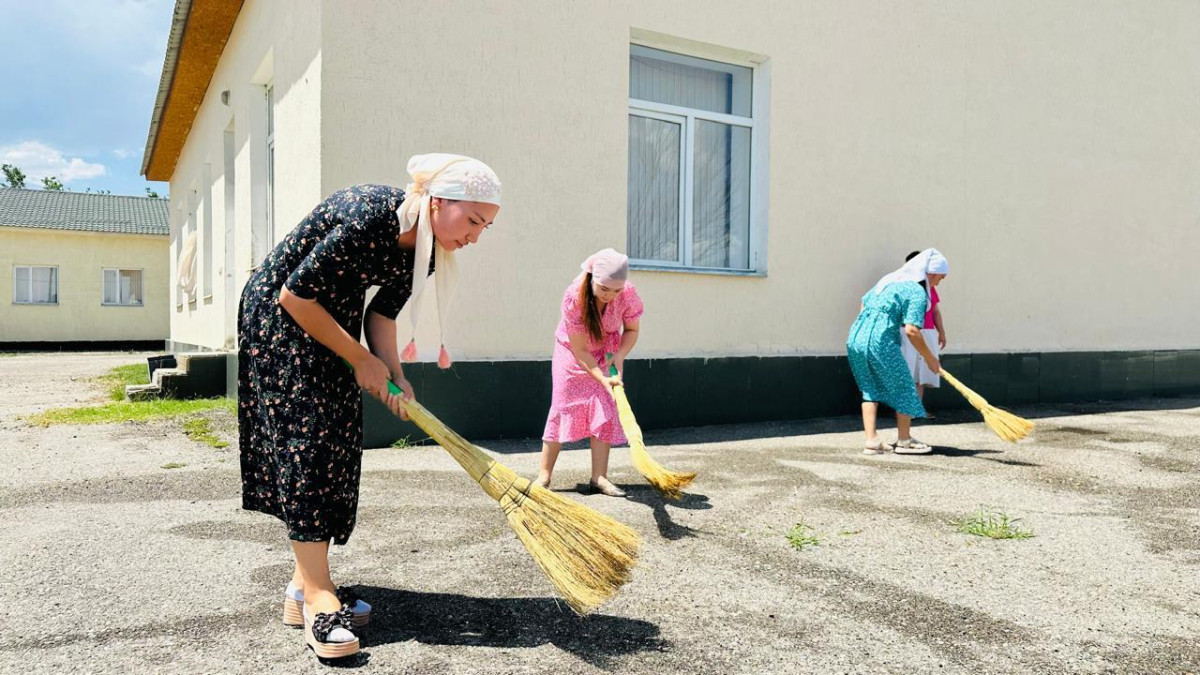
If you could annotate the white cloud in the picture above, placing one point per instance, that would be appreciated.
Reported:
(123, 153)
(151, 68)
(39, 160)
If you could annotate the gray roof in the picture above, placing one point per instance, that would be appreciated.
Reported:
(61, 210)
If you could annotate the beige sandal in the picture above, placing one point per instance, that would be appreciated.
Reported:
(330, 635)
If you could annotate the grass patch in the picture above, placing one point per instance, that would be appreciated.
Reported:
(200, 430)
(994, 525)
(403, 443)
(802, 536)
(132, 411)
(173, 465)
(117, 378)
(849, 533)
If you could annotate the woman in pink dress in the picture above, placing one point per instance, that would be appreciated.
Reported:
(600, 315)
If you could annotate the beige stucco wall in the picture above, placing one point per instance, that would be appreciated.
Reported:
(271, 42)
(81, 258)
(1047, 148)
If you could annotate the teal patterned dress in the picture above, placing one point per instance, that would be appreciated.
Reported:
(874, 346)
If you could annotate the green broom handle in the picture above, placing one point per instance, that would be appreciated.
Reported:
(612, 367)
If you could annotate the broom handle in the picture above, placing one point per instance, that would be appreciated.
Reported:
(476, 463)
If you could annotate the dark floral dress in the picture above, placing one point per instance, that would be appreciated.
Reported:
(299, 407)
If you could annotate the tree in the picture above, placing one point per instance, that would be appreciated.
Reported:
(52, 183)
(152, 194)
(14, 176)
(90, 191)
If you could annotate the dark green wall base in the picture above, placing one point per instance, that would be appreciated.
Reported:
(510, 399)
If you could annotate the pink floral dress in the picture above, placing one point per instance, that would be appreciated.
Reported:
(580, 406)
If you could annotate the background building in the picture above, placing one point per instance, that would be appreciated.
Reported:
(83, 270)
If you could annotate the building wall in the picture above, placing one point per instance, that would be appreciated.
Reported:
(272, 43)
(79, 315)
(1047, 148)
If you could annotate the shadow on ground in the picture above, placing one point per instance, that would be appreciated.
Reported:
(512, 623)
(951, 451)
(667, 528)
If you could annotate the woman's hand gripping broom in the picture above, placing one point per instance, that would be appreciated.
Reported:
(587, 555)
(669, 483)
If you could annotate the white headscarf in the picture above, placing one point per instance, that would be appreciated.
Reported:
(929, 261)
(449, 177)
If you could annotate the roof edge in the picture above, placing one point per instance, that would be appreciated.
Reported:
(183, 9)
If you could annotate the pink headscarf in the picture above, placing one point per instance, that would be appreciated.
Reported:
(607, 267)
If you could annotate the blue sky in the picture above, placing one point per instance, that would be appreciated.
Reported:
(77, 86)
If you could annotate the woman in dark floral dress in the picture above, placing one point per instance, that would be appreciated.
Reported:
(302, 314)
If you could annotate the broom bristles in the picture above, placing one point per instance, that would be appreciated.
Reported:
(669, 483)
(1006, 425)
(587, 555)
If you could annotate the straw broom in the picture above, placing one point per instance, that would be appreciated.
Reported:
(1007, 426)
(587, 555)
(669, 483)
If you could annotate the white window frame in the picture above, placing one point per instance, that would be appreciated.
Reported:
(270, 222)
(141, 291)
(756, 123)
(176, 251)
(31, 301)
(206, 233)
(192, 226)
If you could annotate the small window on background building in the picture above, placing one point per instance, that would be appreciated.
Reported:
(35, 285)
(691, 162)
(123, 287)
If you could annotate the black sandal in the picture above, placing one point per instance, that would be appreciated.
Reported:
(318, 631)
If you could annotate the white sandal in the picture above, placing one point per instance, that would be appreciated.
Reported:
(293, 606)
(879, 448)
(911, 446)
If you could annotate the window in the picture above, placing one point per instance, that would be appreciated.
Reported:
(206, 230)
(179, 230)
(35, 285)
(191, 244)
(122, 287)
(270, 167)
(692, 163)
(260, 151)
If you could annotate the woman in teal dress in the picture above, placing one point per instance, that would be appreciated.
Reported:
(899, 299)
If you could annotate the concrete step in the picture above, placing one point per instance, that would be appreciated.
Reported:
(197, 375)
(143, 392)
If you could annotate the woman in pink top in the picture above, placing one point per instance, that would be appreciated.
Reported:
(600, 315)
